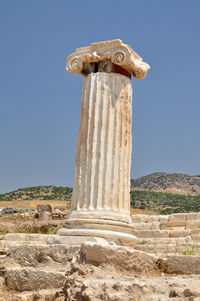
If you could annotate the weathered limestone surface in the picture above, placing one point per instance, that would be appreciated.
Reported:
(181, 264)
(101, 190)
(115, 51)
(104, 148)
(128, 259)
(29, 279)
(97, 271)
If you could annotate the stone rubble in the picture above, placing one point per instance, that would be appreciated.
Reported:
(13, 210)
(31, 269)
(164, 264)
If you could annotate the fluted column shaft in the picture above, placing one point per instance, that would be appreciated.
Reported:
(104, 144)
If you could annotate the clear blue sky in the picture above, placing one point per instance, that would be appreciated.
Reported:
(40, 101)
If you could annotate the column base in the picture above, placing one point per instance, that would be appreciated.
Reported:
(105, 215)
(116, 232)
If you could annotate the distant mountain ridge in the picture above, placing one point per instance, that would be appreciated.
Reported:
(168, 183)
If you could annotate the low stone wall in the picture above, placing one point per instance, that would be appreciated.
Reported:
(182, 222)
(175, 233)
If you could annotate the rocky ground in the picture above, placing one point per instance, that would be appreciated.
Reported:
(96, 272)
(35, 266)
(23, 220)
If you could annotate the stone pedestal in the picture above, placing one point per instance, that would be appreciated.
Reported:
(101, 196)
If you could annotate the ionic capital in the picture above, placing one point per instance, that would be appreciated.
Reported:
(115, 51)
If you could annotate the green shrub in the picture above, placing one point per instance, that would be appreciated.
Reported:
(164, 203)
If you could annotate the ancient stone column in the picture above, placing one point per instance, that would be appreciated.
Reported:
(101, 195)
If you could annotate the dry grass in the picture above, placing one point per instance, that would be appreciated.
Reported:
(140, 211)
(21, 223)
(33, 204)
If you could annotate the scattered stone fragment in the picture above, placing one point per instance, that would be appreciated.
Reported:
(180, 264)
(44, 208)
(173, 294)
(30, 279)
(189, 293)
(2, 270)
(3, 251)
(123, 257)
(44, 216)
(12, 210)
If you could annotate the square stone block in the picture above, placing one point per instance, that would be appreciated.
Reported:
(163, 218)
(191, 216)
(172, 225)
(180, 217)
(193, 224)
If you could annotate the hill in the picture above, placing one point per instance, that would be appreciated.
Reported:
(38, 193)
(168, 183)
(164, 203)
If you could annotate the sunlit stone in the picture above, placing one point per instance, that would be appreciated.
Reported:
(101, 196)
